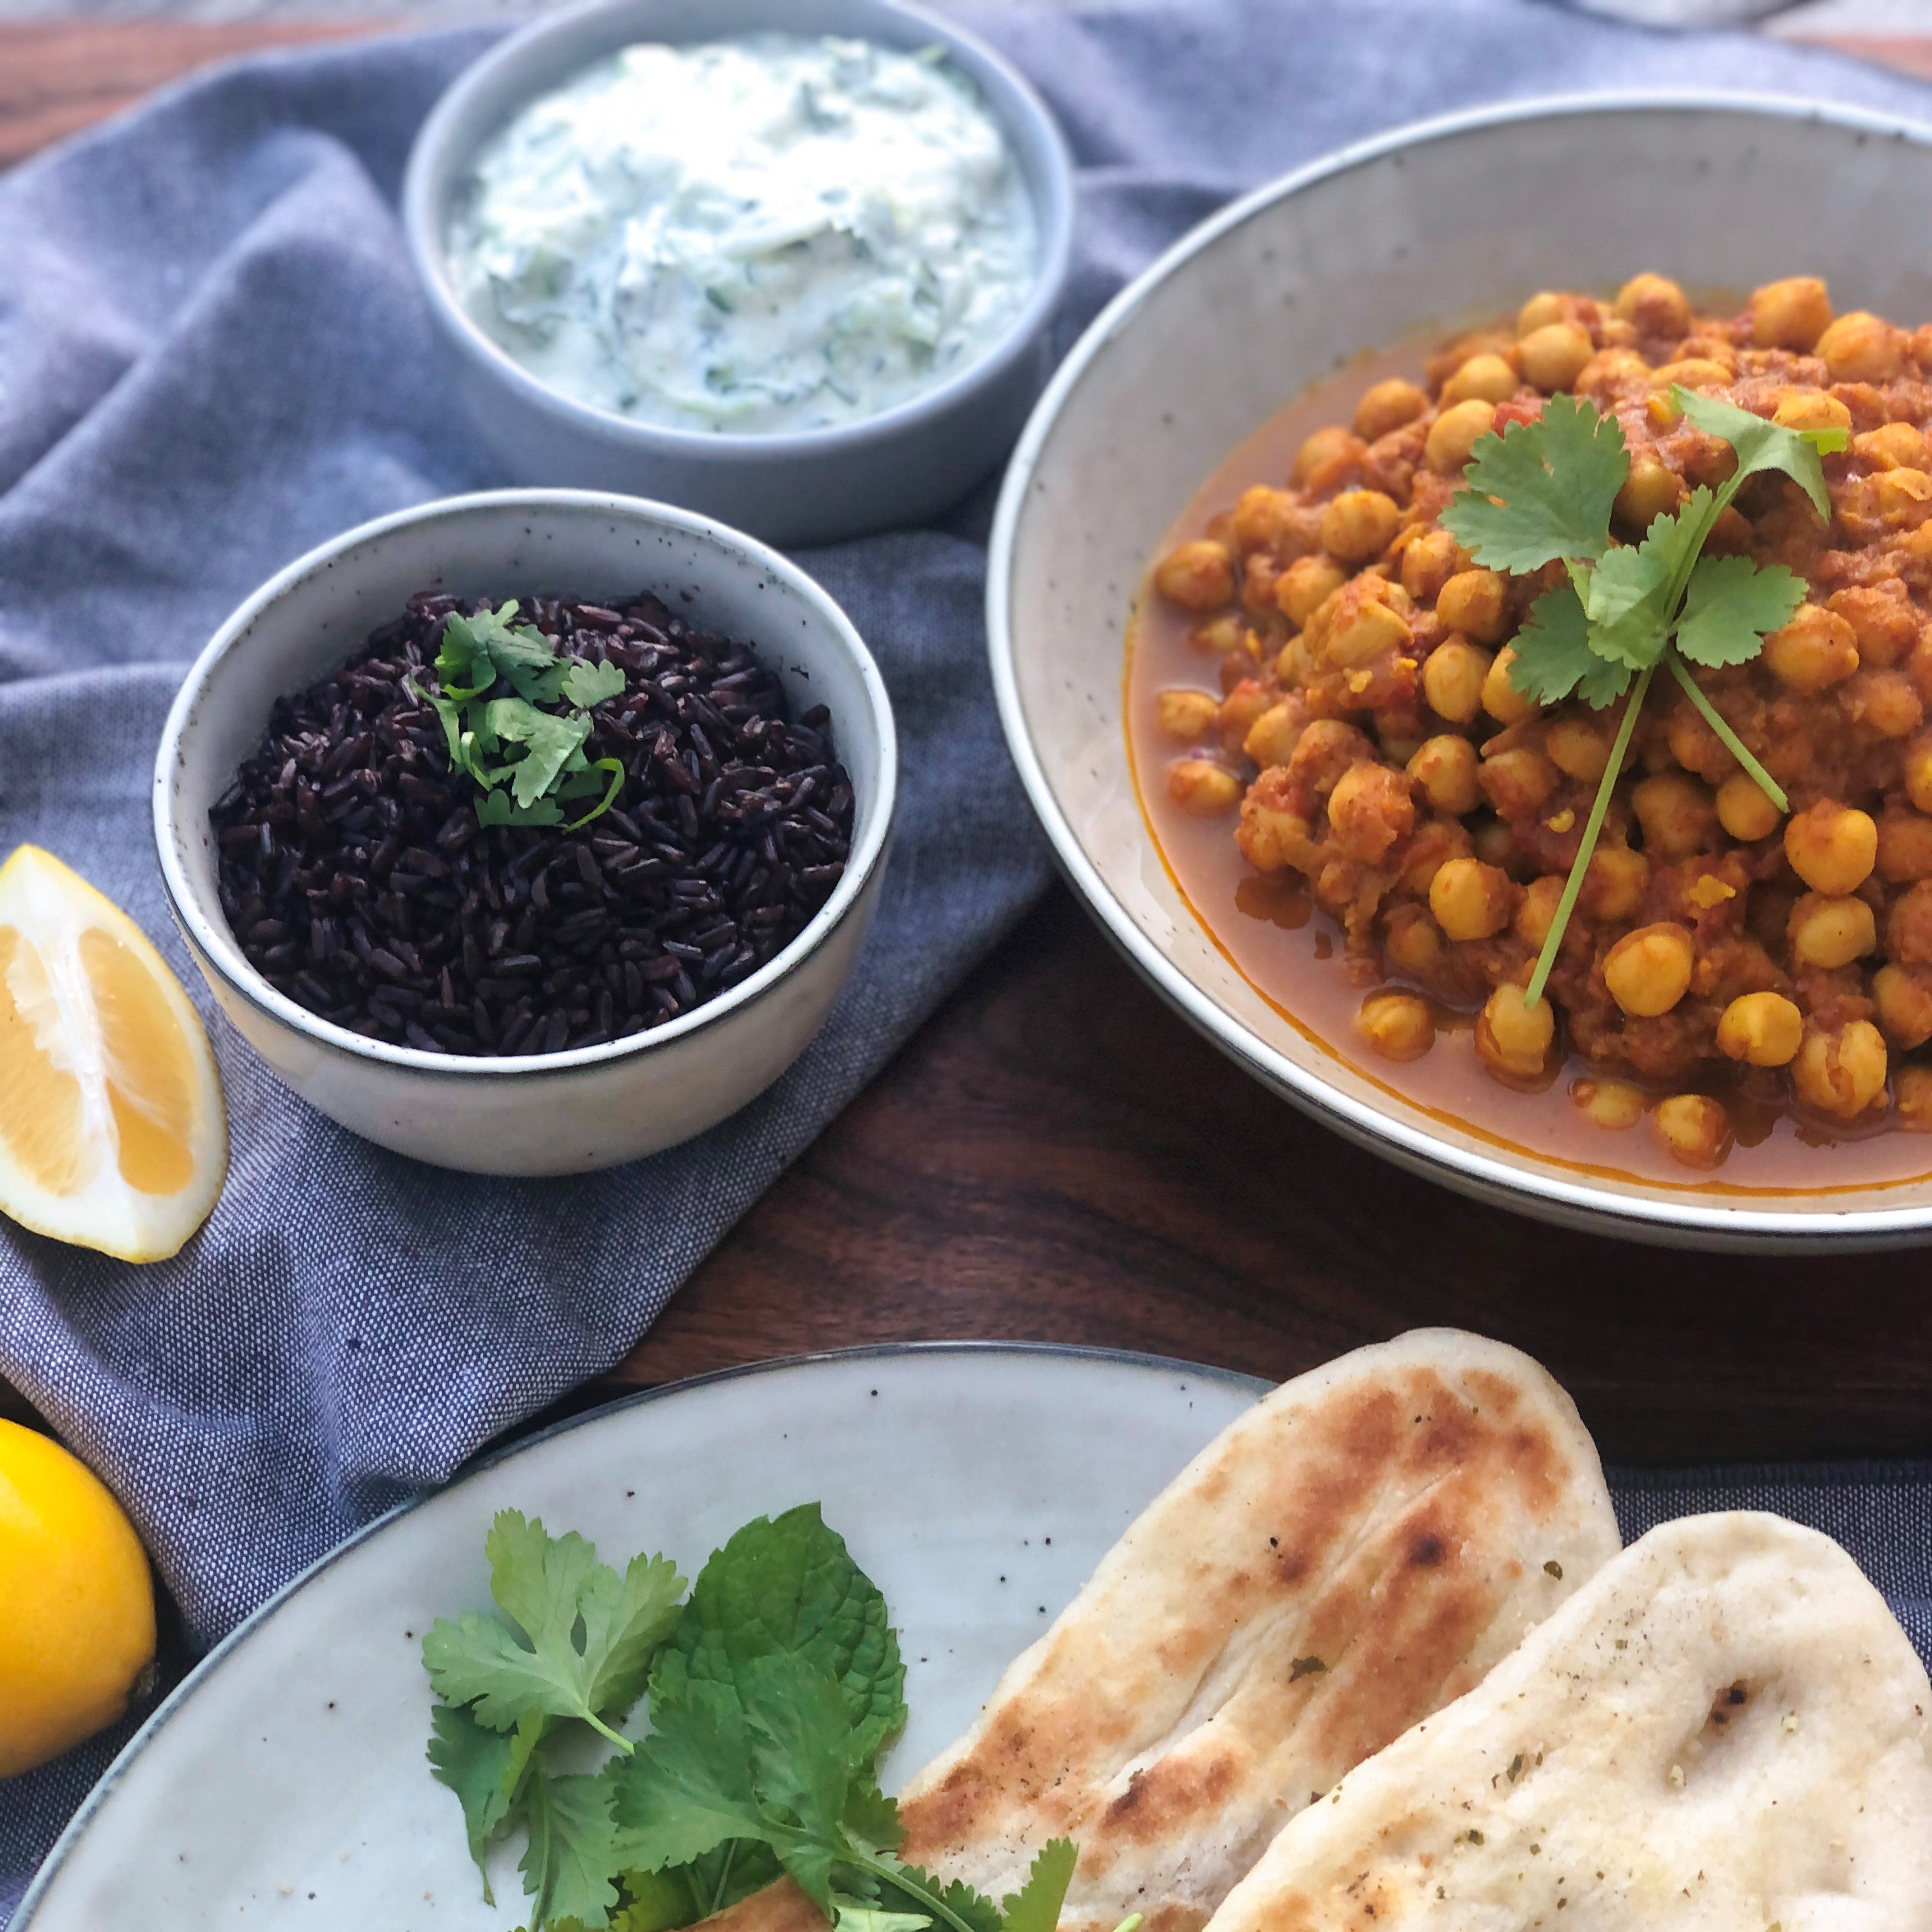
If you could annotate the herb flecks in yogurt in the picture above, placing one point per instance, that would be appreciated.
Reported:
(767, 234)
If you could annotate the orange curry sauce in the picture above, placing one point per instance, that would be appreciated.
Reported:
(1291, 951)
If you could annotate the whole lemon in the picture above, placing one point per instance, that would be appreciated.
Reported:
(76, 1603)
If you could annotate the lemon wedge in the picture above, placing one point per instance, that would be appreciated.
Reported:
(113, 1131)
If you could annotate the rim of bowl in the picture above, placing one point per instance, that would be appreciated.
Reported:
(1532, 1189)
(208, 932)
(1013, 99)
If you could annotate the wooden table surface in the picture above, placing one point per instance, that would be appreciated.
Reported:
(1055, 1156)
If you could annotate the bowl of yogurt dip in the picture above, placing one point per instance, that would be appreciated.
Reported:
(790, 263)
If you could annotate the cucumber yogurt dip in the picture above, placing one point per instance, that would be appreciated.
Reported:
(764, 234)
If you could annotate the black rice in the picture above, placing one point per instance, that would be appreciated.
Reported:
(357, 881)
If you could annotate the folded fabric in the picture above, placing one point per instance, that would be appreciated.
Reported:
(212, 355)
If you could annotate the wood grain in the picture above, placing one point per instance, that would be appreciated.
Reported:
(1057, 1157)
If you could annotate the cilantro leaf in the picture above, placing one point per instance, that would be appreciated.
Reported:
(567, 1863)
(474, 1763)
(1553, 657)
(659, 1902)
(585, 684)
(852, 1914)
(624, 1619)
(1729, 605)
(956, 1902)
(498, 808)
(1634, 588)
(1542, 490)
(548, 742)
(802, 1756)
(1762, 444)
(1036, 1906)
(788, 1585)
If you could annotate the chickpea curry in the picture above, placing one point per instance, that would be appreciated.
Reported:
(1336, 759)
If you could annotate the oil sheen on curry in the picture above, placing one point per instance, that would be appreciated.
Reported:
(1376, 826)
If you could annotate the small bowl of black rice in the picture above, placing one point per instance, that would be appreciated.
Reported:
(532, 831)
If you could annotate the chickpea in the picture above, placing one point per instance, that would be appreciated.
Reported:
(1613, 1105)
(1413, 941)
(1259, 570)
(1435, 843)
(1611, 368)
(1913, 1093)
(1656, 305)
(1471, 900)
(1262, 517)
(1827, 931)
(1455, 432)
(1307, 583)
(1517, 782)
(1811, 409)
(1903, 997)
(1428, 562)
(1902, 497)
(1325, 456)
(1648, 971)
(1840, 1073)
(1445, 768)
(1693, 372)
(1615, 883)
(1271, 837)
(1904, 847)
(1918, 773)
(1399, 1026)
(1453, 680)
(1816, 649)
(1892, 446)
(1189, 715)
(1577, 749)
(1861, 348)
(1744, 811)
(1832, 848)
(1240, 710)
(1651, 490)
(1369, 628)
(1540, 311)
(1677, 813)
(1885, 701)
(1203, 789)
(1476, 603)
(1198, 576)
(1357, 525)
(1500, 699)
(1554, 356)
(1512, 1039)
(1694, 1130)
(1494, 843)
(1220, 634)
(1761, 1029)
(1387, 407)
(1908, 926)
(1368, 810)
(1790, 314)
(1538, 913)
(1485, 378)
(1272, 738)
(1884, 627)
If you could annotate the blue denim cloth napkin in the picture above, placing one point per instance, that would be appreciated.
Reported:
(212, 356)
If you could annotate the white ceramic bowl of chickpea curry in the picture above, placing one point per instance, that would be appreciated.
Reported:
(1522, 760)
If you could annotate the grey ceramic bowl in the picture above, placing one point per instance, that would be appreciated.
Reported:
(1412, 232)
(586, 1107)
(896, 468)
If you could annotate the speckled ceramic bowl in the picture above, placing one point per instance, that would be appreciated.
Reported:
(1421, 230)
(587, 1107)
(894, 468)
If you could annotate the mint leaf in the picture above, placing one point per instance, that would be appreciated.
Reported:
(1036, 1906)
(1762, 444)
(1553, 657)
(566, 1865)
(1542, 490)
(787, 1586)
(474, 1763)
(585, 684)
(689, 1787)
(1729, 605)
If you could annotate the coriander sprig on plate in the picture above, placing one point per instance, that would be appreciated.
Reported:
(1542, 492)
(773, 1689)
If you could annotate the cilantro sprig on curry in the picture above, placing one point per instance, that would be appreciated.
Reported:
(1583, 686)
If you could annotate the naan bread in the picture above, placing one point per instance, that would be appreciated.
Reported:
(1724, 1732)
(1352, 1553)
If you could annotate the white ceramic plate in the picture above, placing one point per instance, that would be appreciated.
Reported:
(284, 1782)
(1424, 229)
